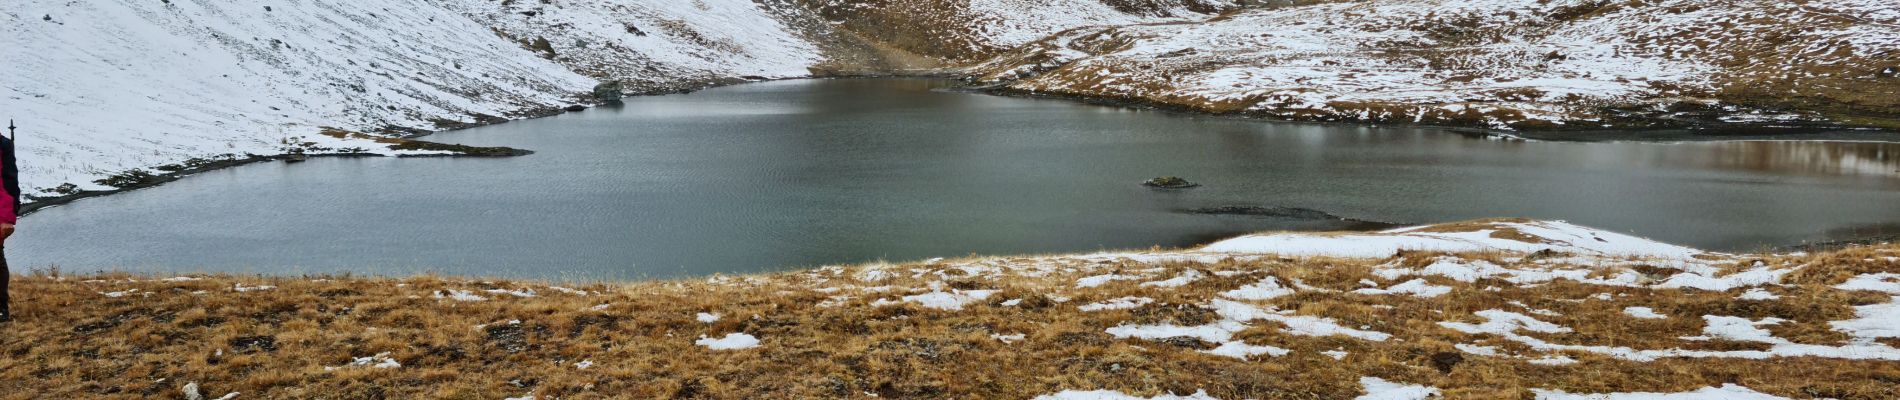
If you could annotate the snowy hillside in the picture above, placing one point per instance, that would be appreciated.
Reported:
(653, 45)
(105, 87)
(1498, 63)
(109, 86)
(962, 32)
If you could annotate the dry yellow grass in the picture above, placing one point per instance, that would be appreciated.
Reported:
(823, 335)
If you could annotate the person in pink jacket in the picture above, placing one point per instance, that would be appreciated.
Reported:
(9, 215)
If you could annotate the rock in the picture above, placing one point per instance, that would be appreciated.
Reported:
(1889, 72)
(191, 392)
(1169, 182)
(541, 44)
(247, 344)
(1187, 342)
(1445, 360)
(609, 91)
(1178, 53)
(509, 337)
(1275, 3)
(1258, 211)
(575, 107)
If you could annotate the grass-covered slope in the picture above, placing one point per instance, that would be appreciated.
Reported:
(1499, 309)
(1581, 64)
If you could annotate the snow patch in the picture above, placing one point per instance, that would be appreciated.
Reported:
(458, 295)
(1536, 235)
(1266, 288)
(1116, 395)
(1643, 312)
(240, 288)
(1241, 350)
(1728, 391)
(1183, 279)
(953, 300)
(1415, 287)
(1380, 389)
(732, 341)
(1123, 303)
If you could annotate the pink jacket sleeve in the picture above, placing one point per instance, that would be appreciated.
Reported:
(8, 215)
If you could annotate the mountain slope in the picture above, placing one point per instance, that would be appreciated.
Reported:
(966, 32)
(103, 87)
(1497, 63)
(113, 87)
(107, 87)
(653, 45)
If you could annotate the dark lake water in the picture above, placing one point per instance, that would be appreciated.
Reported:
(802, 173)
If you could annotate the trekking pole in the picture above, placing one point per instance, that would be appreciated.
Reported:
(10, 134)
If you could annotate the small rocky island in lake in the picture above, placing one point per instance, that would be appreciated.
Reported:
(1169, 182)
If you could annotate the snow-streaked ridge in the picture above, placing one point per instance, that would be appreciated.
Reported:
(1479, 236)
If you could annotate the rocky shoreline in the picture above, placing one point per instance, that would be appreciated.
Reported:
(140, 179)
(1663, 129)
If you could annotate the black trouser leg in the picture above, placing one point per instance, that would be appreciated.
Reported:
(6, 275)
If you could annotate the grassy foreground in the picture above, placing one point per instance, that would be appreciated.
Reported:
(850, 333)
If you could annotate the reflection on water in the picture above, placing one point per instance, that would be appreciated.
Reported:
(1885, 232)
(1865, 159)
(801, 173)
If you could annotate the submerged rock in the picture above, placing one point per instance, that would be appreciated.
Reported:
(1258, 211)
(1293, 213)
(1169, 182)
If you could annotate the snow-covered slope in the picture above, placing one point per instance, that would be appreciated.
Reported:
(107, 86)
(103, 87)
(1499, 63)
(963, 32)
(652, 44)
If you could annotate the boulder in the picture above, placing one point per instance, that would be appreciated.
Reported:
(1169, 182)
